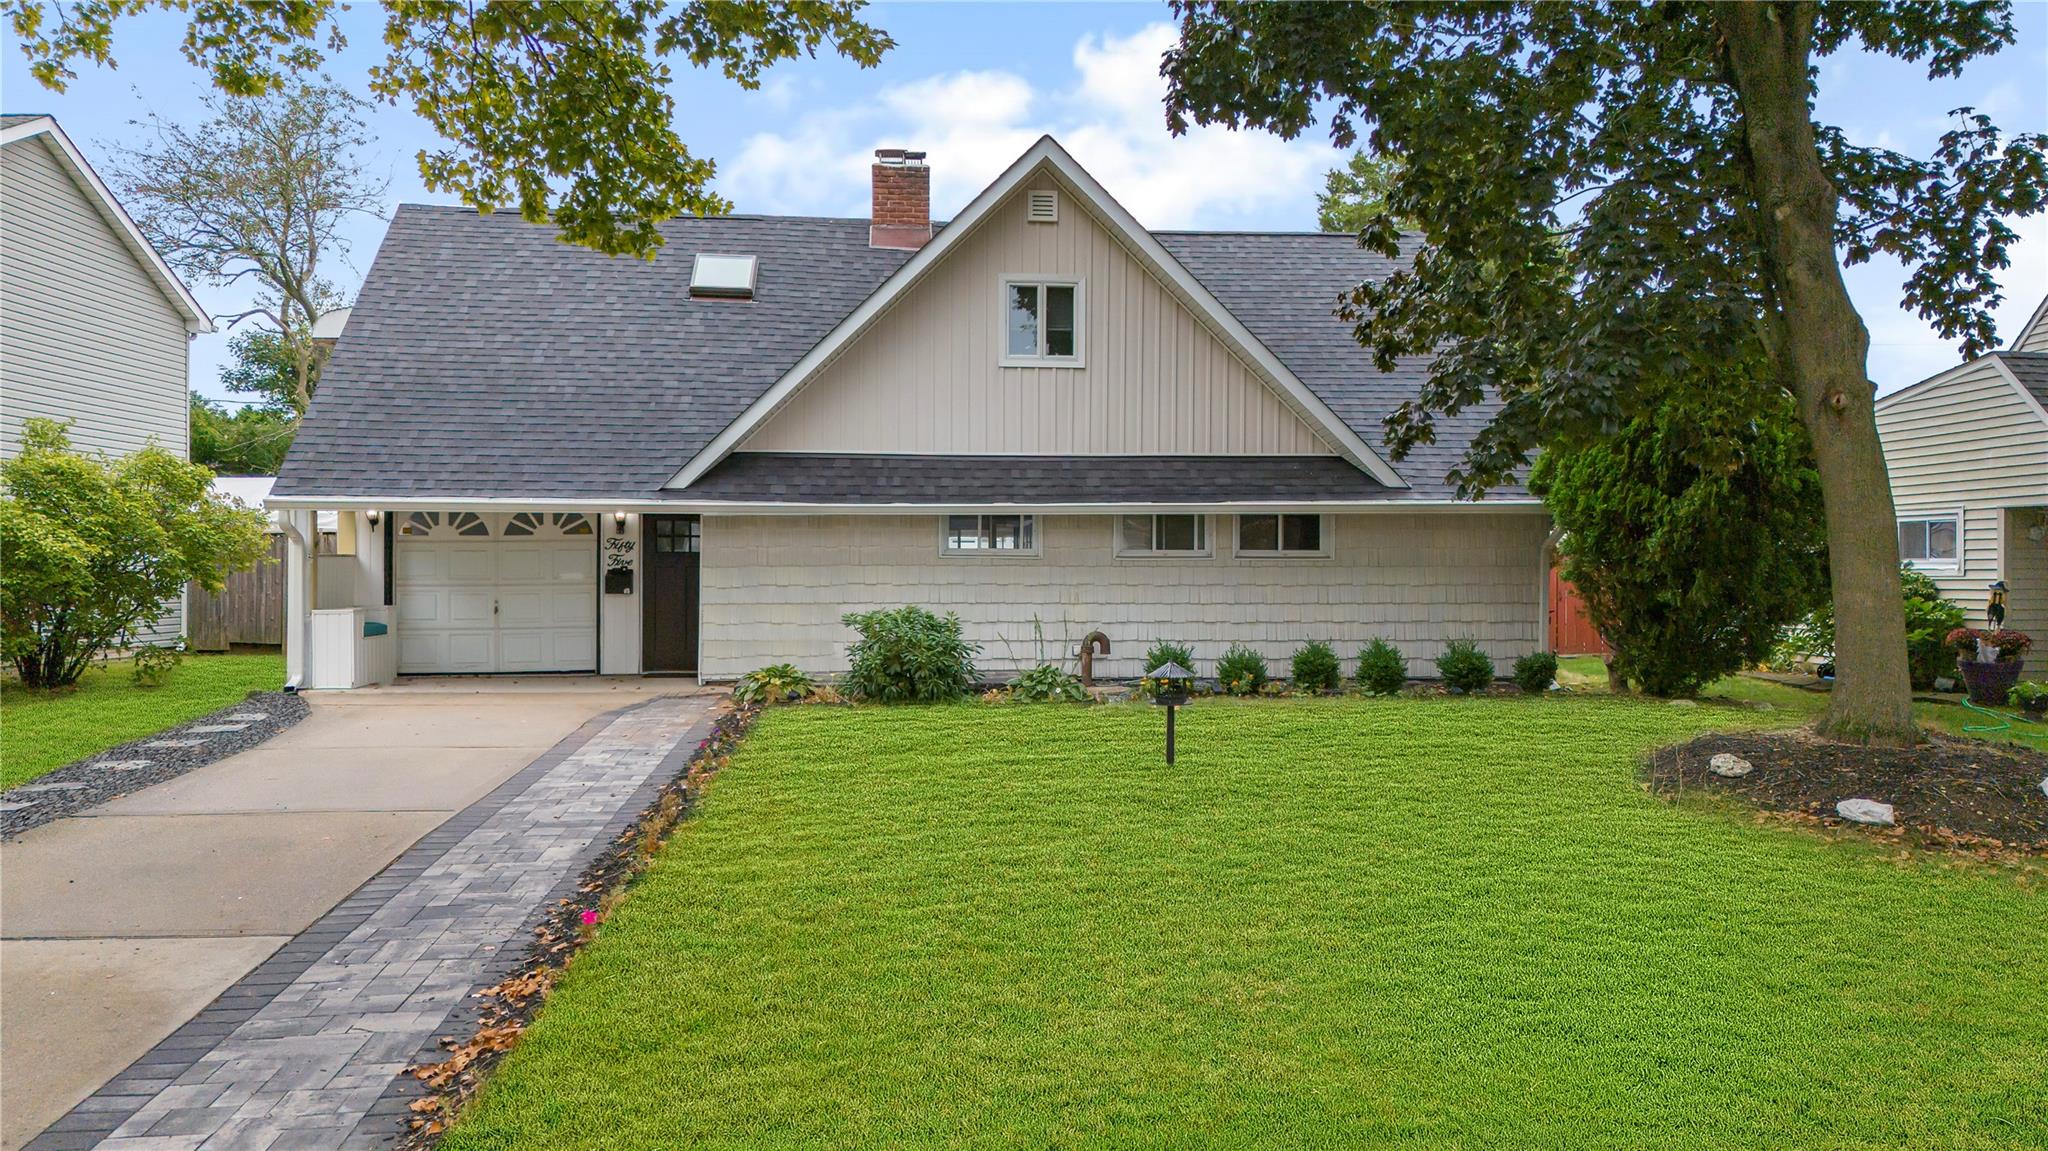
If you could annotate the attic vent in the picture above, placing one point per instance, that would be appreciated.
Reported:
(728, 277)
(1042, 207)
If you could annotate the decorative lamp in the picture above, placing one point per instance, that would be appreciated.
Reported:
(1173, 691)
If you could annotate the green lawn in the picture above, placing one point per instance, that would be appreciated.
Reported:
(40, 732)
(1420, 923)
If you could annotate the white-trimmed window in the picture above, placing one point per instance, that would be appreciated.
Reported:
(1041, 323)
(1283, 535)
(1163, 535)
(1932, 541)
(1014, 535)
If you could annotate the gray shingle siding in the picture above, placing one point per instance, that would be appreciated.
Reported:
(485, 358)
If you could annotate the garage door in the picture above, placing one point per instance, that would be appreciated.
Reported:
(496, 593)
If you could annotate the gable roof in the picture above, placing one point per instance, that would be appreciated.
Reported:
(486, 360)
(2025, 372)
(2029, 370)
(17, 128)
(2033, 335)
(1047, 155)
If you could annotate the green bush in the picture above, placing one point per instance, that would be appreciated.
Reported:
(1161, 653)
(1464, 666)
(1048, 683)
(1535, 672)
(154, 663)
(1694, 533)
(907, 654)
(94, 545)
(1381, 670)
(1241, 671)
(773, 684)
(1316, 668)
(1929, 618)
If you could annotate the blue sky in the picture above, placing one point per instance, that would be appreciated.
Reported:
(973, 84)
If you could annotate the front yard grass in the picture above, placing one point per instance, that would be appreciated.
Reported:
(1421, 923)
(42, 731)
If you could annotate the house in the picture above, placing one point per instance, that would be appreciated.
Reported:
(1967, 451)
(1040, 416)
(94, 327)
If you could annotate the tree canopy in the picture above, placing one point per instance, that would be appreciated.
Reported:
(558, 108)
(1625, 203)
(1354, 195)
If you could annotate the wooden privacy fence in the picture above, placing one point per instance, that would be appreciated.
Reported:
(250, 609)
(1571, 633)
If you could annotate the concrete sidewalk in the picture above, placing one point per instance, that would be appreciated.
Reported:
(121, 923)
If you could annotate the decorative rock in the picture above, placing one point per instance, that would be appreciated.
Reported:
(216, 728)
(1683, 703)
(1729, 765)
(1944, 683)
(2044, 785)
(174, 743)
(1865, 811)
(246, 716)
(41, 788)
(24, 805)
(123, 764)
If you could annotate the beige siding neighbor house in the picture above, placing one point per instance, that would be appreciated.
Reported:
(94, 327)
(1039, 415)
(1967, 451)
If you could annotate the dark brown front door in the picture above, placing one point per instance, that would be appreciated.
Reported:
(668, 636)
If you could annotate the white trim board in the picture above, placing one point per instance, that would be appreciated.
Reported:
(74, 163)
(639, 504)
(1047, 155)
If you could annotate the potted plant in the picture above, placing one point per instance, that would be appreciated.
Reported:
(1989, 661)
(2030, 697)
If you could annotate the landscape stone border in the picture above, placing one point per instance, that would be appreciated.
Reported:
(148, 761)
(96, 1117)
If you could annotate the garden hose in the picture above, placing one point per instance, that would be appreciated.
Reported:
(2004, 720)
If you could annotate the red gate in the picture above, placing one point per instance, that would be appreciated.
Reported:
(1571, 633)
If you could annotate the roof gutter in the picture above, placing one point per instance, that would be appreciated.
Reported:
(762, 508)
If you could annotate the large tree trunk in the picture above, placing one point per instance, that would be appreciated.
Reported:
(1825, 348)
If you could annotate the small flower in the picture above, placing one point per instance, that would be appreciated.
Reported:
(589, 917)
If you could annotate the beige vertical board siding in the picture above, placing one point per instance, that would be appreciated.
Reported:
(85, 334)
(774, 588)
(926, 377)
(1971, 444)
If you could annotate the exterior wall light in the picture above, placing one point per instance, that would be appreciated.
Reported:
(618, 523)
(373, 515)
(1173, 692)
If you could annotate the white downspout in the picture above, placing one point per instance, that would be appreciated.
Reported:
(298, 599)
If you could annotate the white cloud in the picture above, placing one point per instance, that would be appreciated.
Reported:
(973, 124)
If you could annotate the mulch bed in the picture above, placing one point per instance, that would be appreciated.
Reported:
(486, 1030)
(1948, 793)
(133, 766)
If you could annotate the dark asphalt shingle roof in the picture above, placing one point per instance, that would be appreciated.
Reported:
(485, 358)
(894, 479)
(2031, 370)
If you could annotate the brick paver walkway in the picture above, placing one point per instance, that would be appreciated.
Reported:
(299, 1052)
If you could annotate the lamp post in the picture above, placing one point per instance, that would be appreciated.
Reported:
(1173, 691)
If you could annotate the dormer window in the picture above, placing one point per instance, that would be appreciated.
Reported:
(723, 277)
(1042, 323)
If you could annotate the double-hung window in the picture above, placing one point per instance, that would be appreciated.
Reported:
(1042, 323)
(991, 535)
(1930, 541)
(1163, 535)
(1282, 535)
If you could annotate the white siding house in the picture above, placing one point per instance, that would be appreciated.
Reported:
(1967, 453)
(94, 328)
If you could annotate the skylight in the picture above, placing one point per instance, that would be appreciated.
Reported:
(730, 277)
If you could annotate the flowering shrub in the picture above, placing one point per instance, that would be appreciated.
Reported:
(1159, 655)
(1241, 671)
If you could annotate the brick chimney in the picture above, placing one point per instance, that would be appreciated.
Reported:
(902, 216)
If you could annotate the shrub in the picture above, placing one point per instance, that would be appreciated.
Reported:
(1464, 666)
(1161, 653)
(908, 654)
(1241, 671)
(2029, 694)
(94, 547)
(1694, 533)
(1930, 617)
(1048, 683)
(773, 684)
(154, 664)
(1535, 672)
(1315, 668)
(1381, 670)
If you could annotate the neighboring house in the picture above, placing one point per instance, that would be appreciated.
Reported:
(94, 327)
(1040, 416)
(1968, 455)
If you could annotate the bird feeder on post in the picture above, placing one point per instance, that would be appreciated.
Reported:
(1173, 691)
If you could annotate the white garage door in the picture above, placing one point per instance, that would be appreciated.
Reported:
(481, 593)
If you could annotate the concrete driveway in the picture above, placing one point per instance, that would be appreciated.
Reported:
(119, 924)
